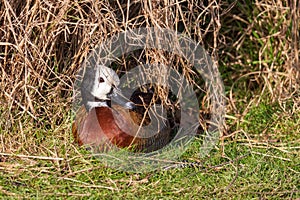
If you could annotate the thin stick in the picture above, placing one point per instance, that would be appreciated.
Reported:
(35, 157)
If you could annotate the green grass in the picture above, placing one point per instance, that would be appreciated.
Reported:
(257, 173)
(241, 167)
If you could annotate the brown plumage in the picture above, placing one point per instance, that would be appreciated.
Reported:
(104, 127)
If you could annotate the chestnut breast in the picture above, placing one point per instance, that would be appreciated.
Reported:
(104, 127)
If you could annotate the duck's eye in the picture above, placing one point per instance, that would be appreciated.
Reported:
(101, 80)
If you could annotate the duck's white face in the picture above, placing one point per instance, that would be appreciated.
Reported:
(105, 87)
(105, 81)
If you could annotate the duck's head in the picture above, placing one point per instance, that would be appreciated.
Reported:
(105, 88)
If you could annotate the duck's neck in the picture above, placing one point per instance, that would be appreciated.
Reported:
(93, 104)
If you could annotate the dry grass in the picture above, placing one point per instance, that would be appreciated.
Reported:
(44, 44)
(259, 51)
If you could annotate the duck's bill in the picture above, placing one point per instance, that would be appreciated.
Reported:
(118, 98)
